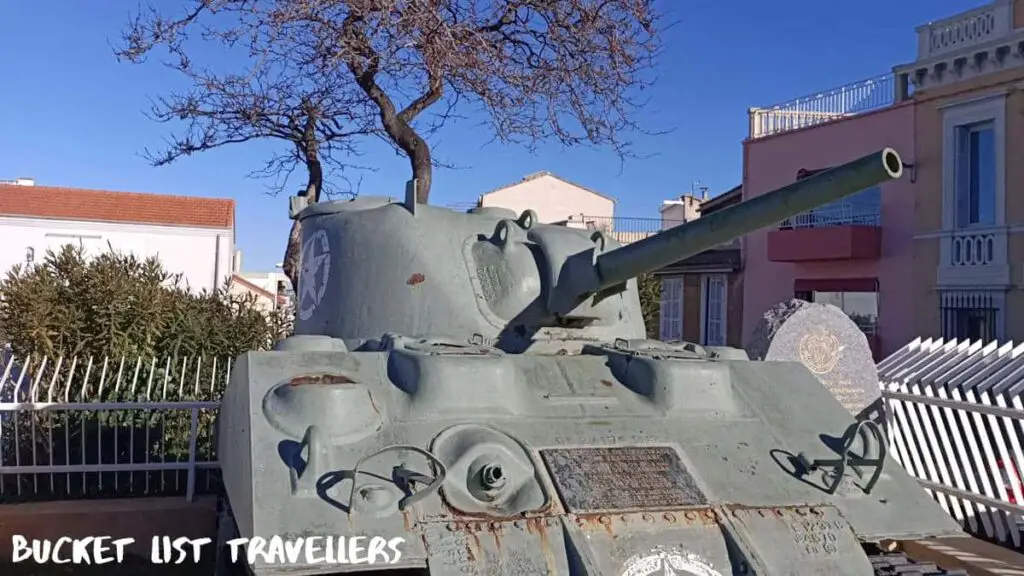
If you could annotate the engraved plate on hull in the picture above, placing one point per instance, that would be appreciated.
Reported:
(592, 480)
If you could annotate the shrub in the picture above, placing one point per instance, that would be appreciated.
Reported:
(75, 312)
(649, 286)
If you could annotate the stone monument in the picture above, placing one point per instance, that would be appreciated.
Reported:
(825, 340)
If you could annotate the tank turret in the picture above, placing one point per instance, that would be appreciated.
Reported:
(376, 265)
(403, 429)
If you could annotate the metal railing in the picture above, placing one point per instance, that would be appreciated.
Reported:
(623, 229)
(842, 213)
(93, 428)
(848, 100)
(955, 410)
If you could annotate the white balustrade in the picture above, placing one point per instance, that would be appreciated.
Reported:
(973, 249)
(964, 30)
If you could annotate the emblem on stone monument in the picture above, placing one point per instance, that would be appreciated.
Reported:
(313, 273)
(820, 350)
(668, 562)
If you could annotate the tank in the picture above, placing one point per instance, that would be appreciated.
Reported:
(473, 393)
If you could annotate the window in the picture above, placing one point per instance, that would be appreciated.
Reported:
(861, 307)
(974, 171)
(671, 315)
(713, 310)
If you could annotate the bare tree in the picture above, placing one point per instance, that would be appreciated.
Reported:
(569, 70)
(277, 93)
(322, 72)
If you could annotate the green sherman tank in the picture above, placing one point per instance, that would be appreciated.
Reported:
(473, 393)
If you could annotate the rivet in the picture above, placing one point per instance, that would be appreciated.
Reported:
(580, 521)
(691, 515)
(518, 523)
(624, 518)
(763, 513)
(604, 520)
(670, 517)
(550, 521)
(801, 511)
(495, 525)
(710, 514)
(450, 526)
(779, 512)
(815, 511)
(648, 518)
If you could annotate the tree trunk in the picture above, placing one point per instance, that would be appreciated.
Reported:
(422, 170)
(291, 256)
(293, 252)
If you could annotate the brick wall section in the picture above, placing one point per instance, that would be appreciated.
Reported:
(107, 206)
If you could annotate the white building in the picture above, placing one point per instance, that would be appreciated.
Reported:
(553, 198)
(191, 236)
(271, 289)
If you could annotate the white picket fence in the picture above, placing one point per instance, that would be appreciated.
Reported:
(955, 412)
(73, 428)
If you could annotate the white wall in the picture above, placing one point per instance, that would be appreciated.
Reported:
(675, 212)
(202, 255)
(552, 199)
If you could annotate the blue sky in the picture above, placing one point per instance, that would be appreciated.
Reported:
(71, 115)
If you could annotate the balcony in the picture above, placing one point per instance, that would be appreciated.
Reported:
(845, 230)
(842, 102)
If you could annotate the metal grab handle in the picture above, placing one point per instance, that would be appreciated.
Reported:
(839, 465)
(411, 476)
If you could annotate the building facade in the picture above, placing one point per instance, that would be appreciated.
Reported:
(856, 253)
(968, 86)
(194, 237)
(944, 256)
(702, 296)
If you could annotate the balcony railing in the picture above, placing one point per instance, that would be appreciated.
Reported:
(841, 102)
(964, 30)
(623, 229)
(838, 214)
(973, 248)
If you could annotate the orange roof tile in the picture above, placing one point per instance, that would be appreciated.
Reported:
(61, 203)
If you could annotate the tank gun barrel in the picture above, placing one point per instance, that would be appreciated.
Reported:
(680, 242)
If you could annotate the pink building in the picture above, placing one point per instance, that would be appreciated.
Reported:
(856, 253)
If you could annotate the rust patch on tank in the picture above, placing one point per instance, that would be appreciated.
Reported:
(594, 522)
(495, 528)
(415, 279)
(320, 380)
(537, 526)
(607, 383)
(457, 514)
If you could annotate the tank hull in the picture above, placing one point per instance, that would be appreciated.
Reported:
(613, 463)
